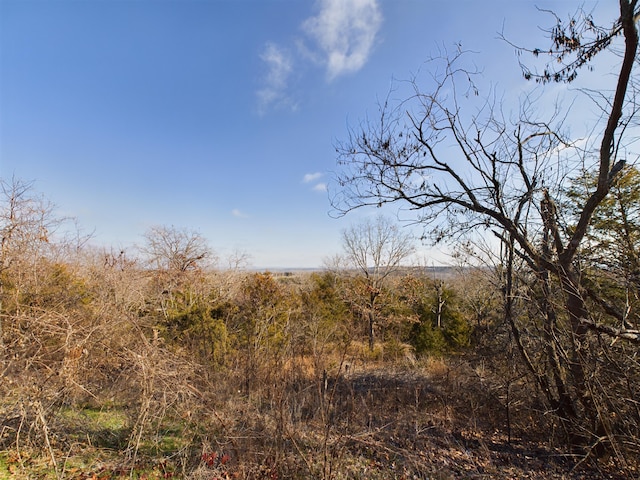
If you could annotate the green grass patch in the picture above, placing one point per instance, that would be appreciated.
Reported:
(112, 418)
(4, 466)
(97, 427)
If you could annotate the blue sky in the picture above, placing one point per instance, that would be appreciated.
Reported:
(219, 115)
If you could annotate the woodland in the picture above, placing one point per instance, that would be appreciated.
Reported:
(156, 363)
(518, 361)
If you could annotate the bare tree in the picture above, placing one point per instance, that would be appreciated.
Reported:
(175, 250)
(27, 221)
(485, 173)
(375, 249)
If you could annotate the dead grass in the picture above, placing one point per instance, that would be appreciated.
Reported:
(436, 419)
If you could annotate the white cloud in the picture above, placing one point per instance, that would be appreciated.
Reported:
(345, 31)
(239, 214)
(310, 177)
(320, 187)
(279, 68)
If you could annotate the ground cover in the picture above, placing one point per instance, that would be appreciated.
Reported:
(442, 420)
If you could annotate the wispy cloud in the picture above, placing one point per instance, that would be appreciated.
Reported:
(239, 214)
(279, 64)
(340, 38)
(345, 32)
(310, 177)
(313, 177)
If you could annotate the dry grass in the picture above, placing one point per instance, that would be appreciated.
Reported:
(435, 419)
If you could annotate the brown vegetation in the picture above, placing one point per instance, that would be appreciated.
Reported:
(114, 369)
(154, 364)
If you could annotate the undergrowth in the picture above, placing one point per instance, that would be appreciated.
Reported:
(436, 419)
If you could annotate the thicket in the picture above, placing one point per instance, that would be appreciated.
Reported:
(114, 364)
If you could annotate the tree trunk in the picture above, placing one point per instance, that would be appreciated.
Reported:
(371, 314)
(578, 314)
(563, 403)
(371, 324)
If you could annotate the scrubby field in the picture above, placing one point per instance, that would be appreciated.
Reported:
(133, 365)
(434, 419)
